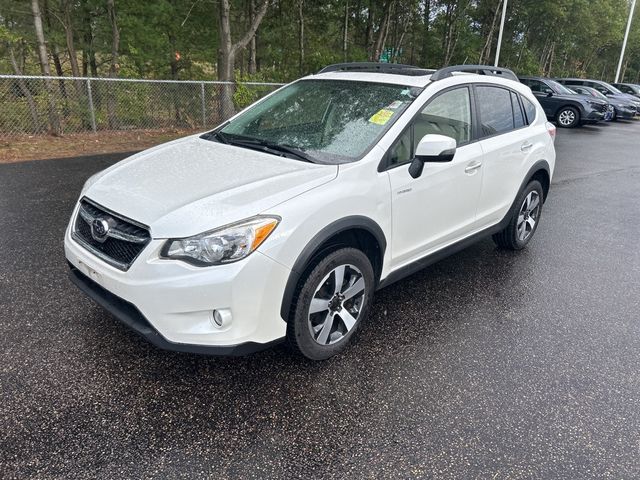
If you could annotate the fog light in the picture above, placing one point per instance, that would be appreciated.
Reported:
(222, 318)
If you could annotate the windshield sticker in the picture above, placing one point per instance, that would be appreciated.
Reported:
(381, 117)
(394, 105)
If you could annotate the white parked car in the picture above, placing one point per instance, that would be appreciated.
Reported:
(282, 223)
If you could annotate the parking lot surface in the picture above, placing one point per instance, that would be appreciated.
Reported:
(489, 364)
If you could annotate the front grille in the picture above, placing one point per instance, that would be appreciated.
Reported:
(120, 241)
(600, 107)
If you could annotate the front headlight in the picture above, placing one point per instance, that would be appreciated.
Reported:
(224, 245)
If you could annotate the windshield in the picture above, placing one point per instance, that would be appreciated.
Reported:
(612, 88)
(329, 121)
(558, 88)
(597, 94)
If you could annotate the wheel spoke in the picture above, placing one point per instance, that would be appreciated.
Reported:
(323, 336)
(348, 319)
(520, 219)
(318, 305)
(338, 274)
(522, 231)
(535, 201)
(527, 202)
(531, 222)
(354, 289)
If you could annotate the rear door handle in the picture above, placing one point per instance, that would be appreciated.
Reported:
(526, 146)
(472, 167)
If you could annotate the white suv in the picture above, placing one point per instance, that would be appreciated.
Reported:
(284, 221)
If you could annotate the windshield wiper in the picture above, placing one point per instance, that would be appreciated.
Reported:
(215, 135)
(265, 146)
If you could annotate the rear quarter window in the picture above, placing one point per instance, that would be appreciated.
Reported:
(529, 109)
(518, 117)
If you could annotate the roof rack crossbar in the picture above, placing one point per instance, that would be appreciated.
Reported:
(374, 67)
(447, 72)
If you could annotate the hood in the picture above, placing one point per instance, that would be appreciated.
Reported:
(590, 99)
(192, 185)
(631, 98)
(622, 99)
(580, 98)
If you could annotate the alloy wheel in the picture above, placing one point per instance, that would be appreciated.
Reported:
(528, 215)
(566, 118)
(336, 304)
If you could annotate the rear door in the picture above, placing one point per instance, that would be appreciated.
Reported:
(504, 138)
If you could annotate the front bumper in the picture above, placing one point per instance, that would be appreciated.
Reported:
(625, 113)
(128, 314)
(171, 303)
(594, 116)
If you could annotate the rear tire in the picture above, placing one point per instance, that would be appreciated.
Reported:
(330, 304)
(568, 117)
(525, 217)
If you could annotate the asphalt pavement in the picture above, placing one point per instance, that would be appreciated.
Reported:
(489, 364)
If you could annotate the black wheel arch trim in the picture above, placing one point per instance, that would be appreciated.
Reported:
(315, 246)
(538, 166)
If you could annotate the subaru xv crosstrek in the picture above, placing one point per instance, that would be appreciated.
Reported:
(280, 224)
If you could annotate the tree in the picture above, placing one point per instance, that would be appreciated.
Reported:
(227, 49)
(54, 121)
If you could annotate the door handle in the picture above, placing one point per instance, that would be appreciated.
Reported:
(472, 167)
(526, 146)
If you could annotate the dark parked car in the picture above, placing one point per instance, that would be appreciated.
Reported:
(628, 88)
(565, 107)
(625, 105)
(592, 92)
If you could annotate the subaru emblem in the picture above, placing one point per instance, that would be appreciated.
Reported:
(99, 229)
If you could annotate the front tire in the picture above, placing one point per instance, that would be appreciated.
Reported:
(331, 302)
(568, 117)
(525, 217)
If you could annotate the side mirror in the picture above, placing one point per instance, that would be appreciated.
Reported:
(432, 148)
(549, 93)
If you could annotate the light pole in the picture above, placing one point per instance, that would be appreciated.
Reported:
(624, 42)
(504, 14)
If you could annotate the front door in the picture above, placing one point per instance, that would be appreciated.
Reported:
(438, 207)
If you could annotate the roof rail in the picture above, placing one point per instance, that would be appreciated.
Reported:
(374, 67)
(447, 72)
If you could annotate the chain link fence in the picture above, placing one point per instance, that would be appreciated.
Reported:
(34, 105)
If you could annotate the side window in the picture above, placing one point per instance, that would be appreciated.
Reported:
(401, 151)
(537, 86)
(494, 107)
(529, 109)
(518, 117)
(447, 114)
